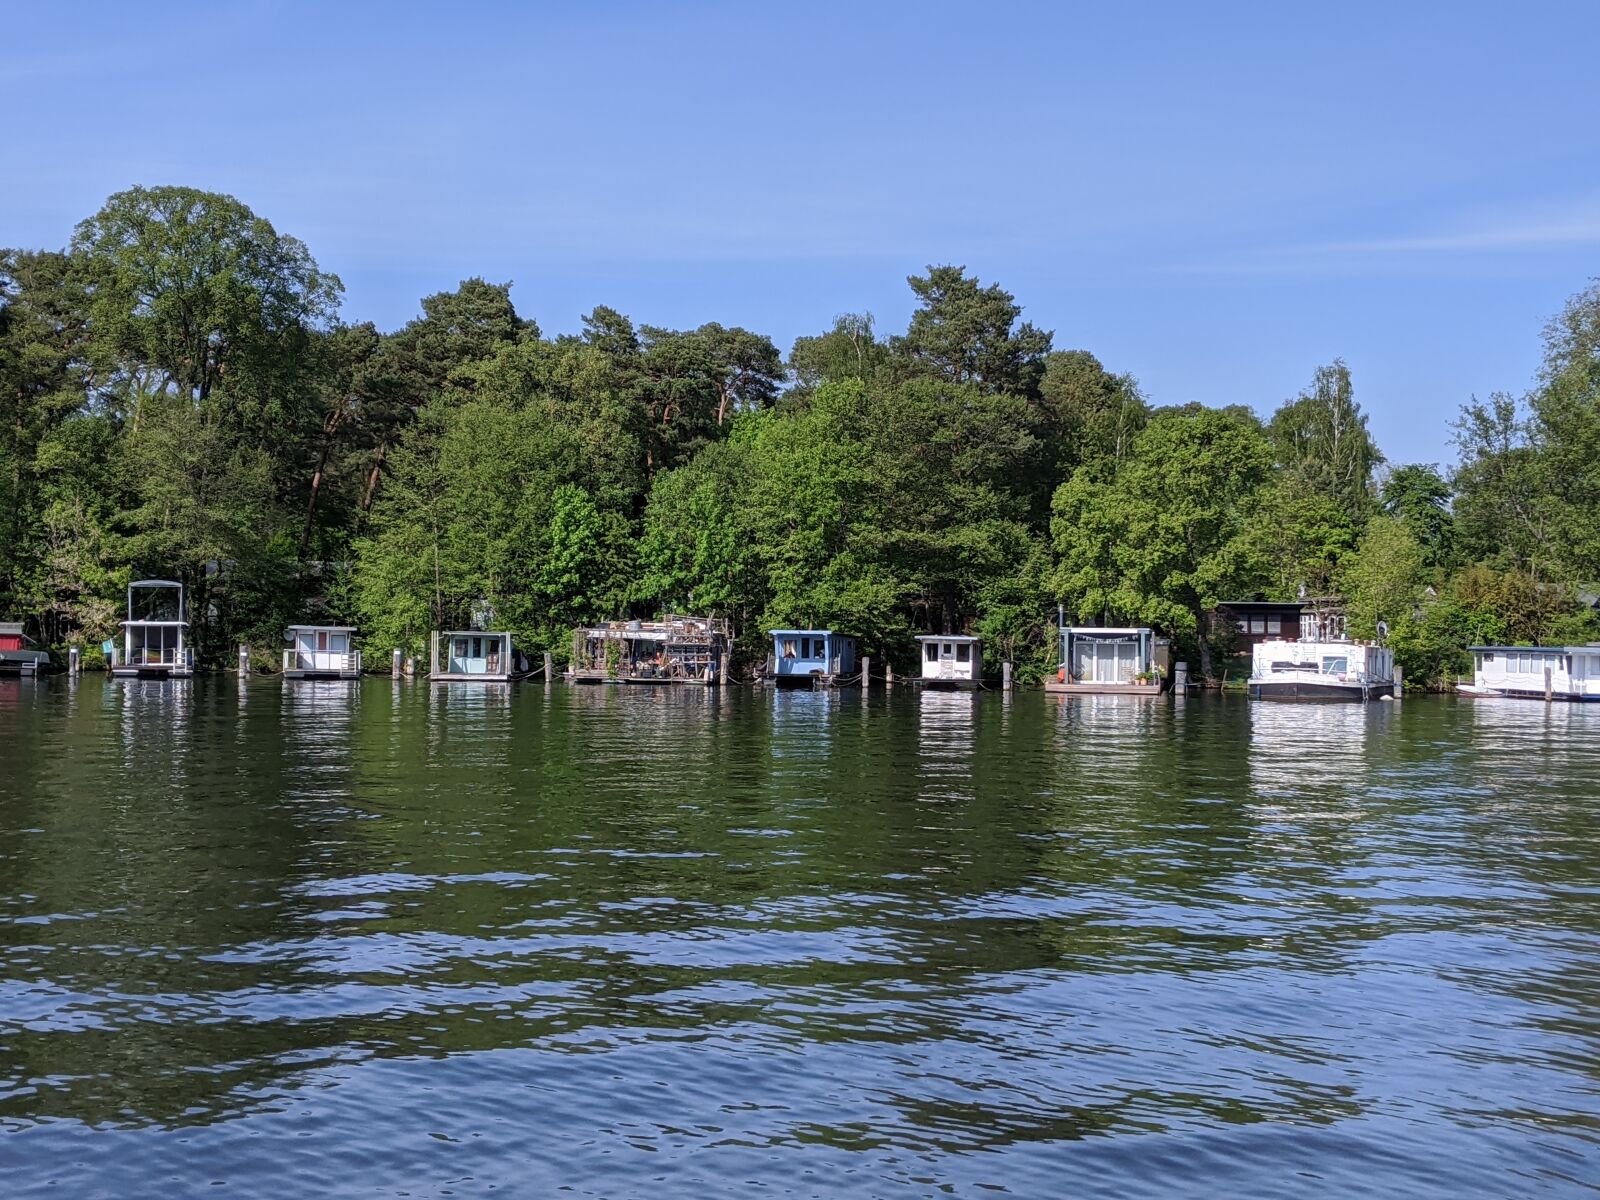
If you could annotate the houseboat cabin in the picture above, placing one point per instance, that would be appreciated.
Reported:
(1535, 672)
(812, 658)
(18, 654)
(472, 656)
(1116, 661)
(951, 660)
(1313, 670)
(155, 635)
(321, 652)
(674, 649)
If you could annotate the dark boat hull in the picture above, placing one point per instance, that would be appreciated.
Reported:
(1324, 692)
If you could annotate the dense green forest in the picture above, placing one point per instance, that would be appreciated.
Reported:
(180, 398)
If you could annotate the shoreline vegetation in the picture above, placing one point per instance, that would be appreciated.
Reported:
(181, 399)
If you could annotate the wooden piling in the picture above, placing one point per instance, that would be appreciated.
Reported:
(549, 666)
(888, 676)
(1005, 676)
(1399, 681)
(1180, 679)
(1549, 689)
(866, 671)
(244, 659)
(395, 670)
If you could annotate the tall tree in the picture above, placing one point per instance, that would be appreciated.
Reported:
(1321, 439)
(964, 333)
(1167, 538)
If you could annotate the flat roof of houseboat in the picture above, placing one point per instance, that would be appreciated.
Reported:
(322, 628)
(1589, 648)
(473, 632)
(812, 632)
(1109, 629)
(947, 637)
(155, 583)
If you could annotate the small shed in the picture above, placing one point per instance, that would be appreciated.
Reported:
(321, 652)
(17, 653)
(812, 658)
(1120, 660)
(155, 635)
(951, 660)
(472, 656)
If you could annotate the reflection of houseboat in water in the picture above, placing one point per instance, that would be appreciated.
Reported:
(814, 658)
(1104, 660)
(18, 655)
(675, 649)
(155, 635)
(1535, 673)
(474, 656)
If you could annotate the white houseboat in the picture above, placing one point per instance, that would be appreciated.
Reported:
(1535, 672)
(1109, 660)
(951, 661)
(1312, 670)
(18, 654)
(473, 656)
(812, 658)
(155, 635)
(321, 652)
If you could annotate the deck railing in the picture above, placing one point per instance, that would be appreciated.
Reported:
(322, 660)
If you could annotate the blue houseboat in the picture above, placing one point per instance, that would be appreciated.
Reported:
(812, 658)
(473, 656)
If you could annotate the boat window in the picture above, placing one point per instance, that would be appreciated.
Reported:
(1274, 624)
(1258, 624)
(322, 641)
(1281, 666)
(933, 651)
(963, 652)
(1335, 665)
(461, 647)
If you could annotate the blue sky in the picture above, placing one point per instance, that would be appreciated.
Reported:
(1214, 197)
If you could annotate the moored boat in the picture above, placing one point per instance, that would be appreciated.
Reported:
(1309, 670)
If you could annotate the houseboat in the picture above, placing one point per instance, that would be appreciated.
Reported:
(1317, 670)
(18, 652)
(473, 656)
(155, 635)
(951, 661)
(1535, 672)
(812, 658)
(674, 649)
(1109, 660)
(321, 652)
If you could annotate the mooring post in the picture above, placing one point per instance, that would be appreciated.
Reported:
(394, 663)
(866, 671)
(1005, 675)
(244, 659)
(1399, 681)
(1180, 679)
(1549, 691)
(74, 664)
(888, 676)
(549, 666)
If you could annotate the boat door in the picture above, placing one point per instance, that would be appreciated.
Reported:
(947, 660)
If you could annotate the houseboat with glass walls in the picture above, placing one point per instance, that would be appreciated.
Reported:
(1110, 660)
(321, 652)
(474, 656)
(950, 662)
(19, 655)
(1570, 673)
(673, 649)
(1323, 664)
(155, 635)
(815, 658)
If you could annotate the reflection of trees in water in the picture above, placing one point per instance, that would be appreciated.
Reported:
(938, 879)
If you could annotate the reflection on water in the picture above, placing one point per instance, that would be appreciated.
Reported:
(382, 938)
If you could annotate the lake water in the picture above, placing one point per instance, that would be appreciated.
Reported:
(376, 940)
